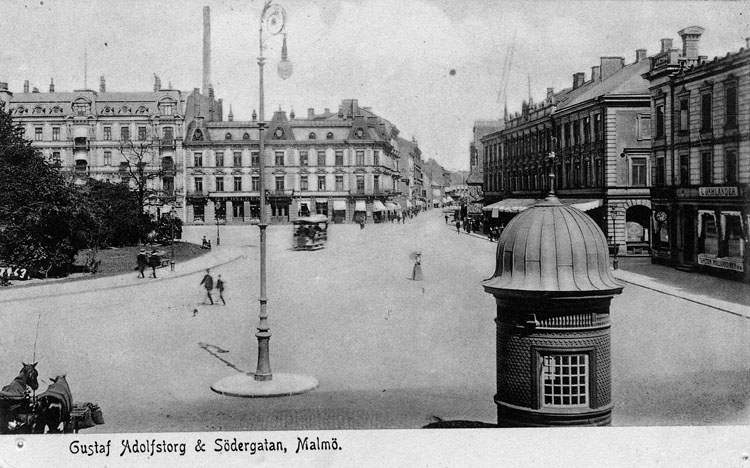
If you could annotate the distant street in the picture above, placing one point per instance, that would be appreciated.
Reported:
(388, 352)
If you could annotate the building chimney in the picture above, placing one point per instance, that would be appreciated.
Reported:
(25, 86)
(102, 84)
(666, 44)
(310, 112)
(230, 117)
(157, 82)
(595, 73)
(35, 90)
(327, 110)
(550, 92)
(610, 65)
(206, 48)
(3, 86)
(578, 79)
(51, 85)
(690, 38)
(640, 54)
(747, 43)
(255, 115)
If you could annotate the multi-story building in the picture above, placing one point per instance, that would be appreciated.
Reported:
(701, 156)
(104, 134)
(599, 131)
(338, 164)
(477, 153)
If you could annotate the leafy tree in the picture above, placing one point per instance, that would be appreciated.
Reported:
(43, 221)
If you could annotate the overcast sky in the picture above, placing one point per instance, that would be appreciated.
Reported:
(429, 66)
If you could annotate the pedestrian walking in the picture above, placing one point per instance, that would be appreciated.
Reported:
(361, 223)
(458, 226)
(220, 285)
(142, 262)
(446, 219)
(208, 283)
(416, 272)
(153, 262)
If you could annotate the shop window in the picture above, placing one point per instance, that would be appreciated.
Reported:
(709, 235)
(220, 211)
(565, 380)
(199, 213)
(238, 211)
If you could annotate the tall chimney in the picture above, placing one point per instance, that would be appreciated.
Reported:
(157, 82)
(640, 54)
(102, 85)
(690, 37)
(578, 79)
(51, 85)
(595, 73)
(747, 43)
(25, 86)
(206, 48)
(609, 65)
(35, 90)
(666, 44)
(310, 113)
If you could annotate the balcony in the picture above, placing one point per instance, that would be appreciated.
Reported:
(167, 142)
(80, 144)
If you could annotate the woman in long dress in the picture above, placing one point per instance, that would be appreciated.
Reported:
(416, 273)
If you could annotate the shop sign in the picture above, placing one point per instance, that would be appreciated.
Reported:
(718, 191)
(15, 273)
(725, 263)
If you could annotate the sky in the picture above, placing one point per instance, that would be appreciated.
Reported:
(431, 67)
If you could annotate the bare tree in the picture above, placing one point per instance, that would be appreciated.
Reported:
(141, 168)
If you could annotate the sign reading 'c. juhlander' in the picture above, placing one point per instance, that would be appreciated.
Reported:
(718, 191)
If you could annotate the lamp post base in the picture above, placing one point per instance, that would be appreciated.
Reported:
(245, 385)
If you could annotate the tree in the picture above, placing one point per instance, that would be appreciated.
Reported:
(43, 221)
(141, 171)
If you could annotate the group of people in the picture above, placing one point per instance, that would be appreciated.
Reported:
(208, 283)
(206, 243)
(475, 225)
(145, 259)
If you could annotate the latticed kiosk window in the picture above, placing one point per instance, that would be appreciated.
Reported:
(565, 380)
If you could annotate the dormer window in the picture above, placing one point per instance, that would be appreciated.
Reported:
(56, 110)
(329, 136)
(108, 110)
(228, 136)
(312, 136)
(279, 133)
(245, 136)
(360, 133)
(166, 107)
(142, 110)
(81, 107)
(125, 110)
(198, 135)
(20, 110)
(38, 110)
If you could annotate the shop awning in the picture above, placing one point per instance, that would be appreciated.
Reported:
(359, 205)
(450, 199)
(390, 206)
(377, 205)
(339, 205)
(516, 205)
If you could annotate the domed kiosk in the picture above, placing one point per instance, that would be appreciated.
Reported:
(553, 287)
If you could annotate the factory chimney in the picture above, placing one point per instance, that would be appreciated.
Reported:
(206, 49)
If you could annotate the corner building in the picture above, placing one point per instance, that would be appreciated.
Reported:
(701, 157)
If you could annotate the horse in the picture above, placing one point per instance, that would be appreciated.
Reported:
(16, 407)
(54, 406)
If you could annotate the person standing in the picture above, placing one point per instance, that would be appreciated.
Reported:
(416, 272)
(458, 226)
(208, 283)
(220, 286)
(446, 219)
(142, 262)
(153, 262)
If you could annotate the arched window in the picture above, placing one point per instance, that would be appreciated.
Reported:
(198, 136)
(246, 136)
(329, 136)
(312, 136)
(228, 136)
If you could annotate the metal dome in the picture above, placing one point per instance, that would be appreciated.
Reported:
(552, 249)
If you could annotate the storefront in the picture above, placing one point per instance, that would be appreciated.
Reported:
(360, 211)
(378, 211)
(339, 211)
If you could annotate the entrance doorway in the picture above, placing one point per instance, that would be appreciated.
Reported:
(638, 230)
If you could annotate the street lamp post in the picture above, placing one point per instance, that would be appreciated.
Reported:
(170, 209)
(216, 217)
(262, 382)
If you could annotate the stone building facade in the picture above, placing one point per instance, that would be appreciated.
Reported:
(700, 156)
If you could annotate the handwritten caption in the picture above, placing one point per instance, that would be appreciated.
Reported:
(154, 447)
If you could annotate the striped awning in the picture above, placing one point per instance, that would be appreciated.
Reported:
(516, 205)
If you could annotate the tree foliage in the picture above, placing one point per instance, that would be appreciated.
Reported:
(43, 220)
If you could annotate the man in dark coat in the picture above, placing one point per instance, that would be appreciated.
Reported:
(153, 262)
(220, 286)
(142, 262)
(208, 283)
(458, 226)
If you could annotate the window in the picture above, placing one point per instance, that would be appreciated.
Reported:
(228, 136)
(638, 172)
(661, 171)
(685, 169)
(254, 159)
(730, 94)
(279, 183)
(312, 136)
(339, 183)
(564, 380)
(644, 127)
(107, 133)
(279, 158)
(597, 172)
(567, 134)
(168, 133)
(37, 133)
(660, 121)
(376, 182)
(706, 167)
(198, 212)
(360, 158)
(141, 133)
(321, 158)
(219, 159)
(198, 159)
(255, 183)
(198, 184)
(56, 156)
(303, 183)
(321, 183)
(586, 129)
(339, 158)
(360, 184)
(303, 158)
(167, 108)
(167, 184)
(706, 112)
(55, 133)
(730, 166)
(684, 116)
(376, 158)
(238, 183)
(107, 158)
(81, 108)
(237, 159)
(124, 133)
(245, 136)
(329, 136)
(219, 183)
